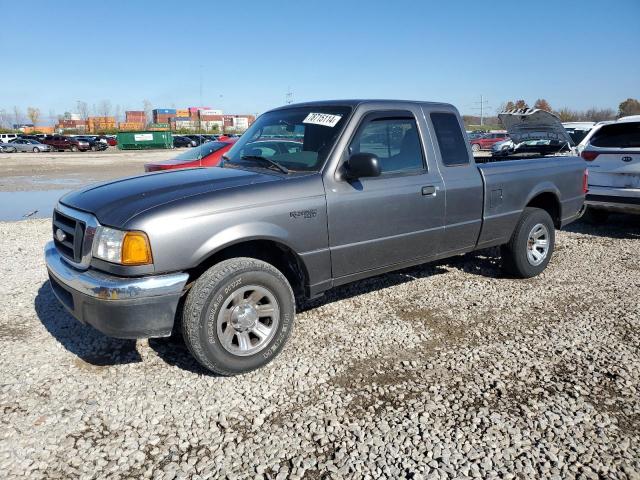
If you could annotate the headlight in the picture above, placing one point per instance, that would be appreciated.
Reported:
(118, 246)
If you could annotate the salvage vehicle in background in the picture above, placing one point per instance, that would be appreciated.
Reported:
(179, 142)
(486, 141)
(94, 142)
(612, 153)
(26, 145)
(375, 186)
(206, 155)
(60, 142)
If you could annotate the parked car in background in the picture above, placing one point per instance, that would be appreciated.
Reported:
(94, 142)
(474, 135)
(180, 141)
(486, 141)
(578, 130)
(198, 139)
(7, 137)
(60, 142)
(612, 153)
(110, 140)
(26, 145)
(6, 148)
(208, 154)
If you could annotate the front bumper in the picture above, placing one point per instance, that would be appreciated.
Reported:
(121, 307)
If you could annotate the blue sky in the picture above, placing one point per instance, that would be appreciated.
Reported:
(573, 53)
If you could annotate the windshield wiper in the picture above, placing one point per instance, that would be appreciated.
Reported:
(266, 160)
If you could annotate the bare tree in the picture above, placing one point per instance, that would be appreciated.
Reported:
(148, 107)
(4, 118)
(83, 109)
(17, 115)
(104, 108)
(34, 114)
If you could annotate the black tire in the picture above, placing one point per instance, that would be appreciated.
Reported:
(211, 294)
(74, 148)
(94, 148)
(516, 254)
(36, 150)
(475, 147)
(595, 216)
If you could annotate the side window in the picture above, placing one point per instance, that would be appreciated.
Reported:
(394, 140)
(453, 148)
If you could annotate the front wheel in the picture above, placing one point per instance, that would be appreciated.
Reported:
(475, 147)
(238, 315)
(74, 148)
(36, 150)
(531, 245)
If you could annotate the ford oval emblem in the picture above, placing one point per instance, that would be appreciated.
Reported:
(627, 159)
(60, 235)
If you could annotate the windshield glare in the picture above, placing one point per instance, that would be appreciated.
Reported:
(298, 138)
(201, 151)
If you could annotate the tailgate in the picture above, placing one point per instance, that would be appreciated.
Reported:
(618, 169)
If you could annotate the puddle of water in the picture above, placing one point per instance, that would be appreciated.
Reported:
(14, 205)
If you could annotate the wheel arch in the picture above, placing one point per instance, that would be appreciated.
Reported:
(547, 198)
(261, 247)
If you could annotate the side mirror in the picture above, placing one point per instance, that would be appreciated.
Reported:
(363, 165)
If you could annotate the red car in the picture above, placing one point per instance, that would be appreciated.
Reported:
(206, 155)
(486, 141)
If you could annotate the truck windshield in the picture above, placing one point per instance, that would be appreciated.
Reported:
(297, 138)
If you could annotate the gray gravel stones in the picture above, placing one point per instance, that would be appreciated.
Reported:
(441, 371)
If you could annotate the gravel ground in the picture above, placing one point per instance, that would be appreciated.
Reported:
(442, 371)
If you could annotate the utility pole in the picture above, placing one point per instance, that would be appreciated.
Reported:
(289, 97)
(482, 105)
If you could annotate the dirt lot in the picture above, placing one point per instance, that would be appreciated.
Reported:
(441, 371)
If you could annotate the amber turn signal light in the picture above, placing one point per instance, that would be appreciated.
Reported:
(136, 249)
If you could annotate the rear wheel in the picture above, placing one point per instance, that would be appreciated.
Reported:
(531, 245)
(238, 316)
(595, 216)
(74, 148)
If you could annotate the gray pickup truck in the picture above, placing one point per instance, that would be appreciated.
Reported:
(312, 196)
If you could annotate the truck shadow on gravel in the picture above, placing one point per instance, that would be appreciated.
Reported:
(90, 346)
(618, 226)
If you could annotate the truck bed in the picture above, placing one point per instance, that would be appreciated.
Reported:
(510, 184)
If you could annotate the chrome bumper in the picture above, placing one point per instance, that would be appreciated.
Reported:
(121, 307)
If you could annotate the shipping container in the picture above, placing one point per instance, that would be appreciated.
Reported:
(171, 111)
(182, 112)
(143, 140)
(210, 111)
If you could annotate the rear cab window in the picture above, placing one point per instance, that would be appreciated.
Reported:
(453, 148)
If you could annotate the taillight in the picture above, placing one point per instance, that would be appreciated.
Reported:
(585, 181)
(589, 156)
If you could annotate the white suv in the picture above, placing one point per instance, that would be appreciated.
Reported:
(613, 155)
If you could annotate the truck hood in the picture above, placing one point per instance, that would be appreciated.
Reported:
(115, 203)
(533, 124)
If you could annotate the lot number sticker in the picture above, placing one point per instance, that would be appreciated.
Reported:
(142, 137)
(324, 119)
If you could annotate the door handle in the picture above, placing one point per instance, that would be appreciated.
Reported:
(429, 190)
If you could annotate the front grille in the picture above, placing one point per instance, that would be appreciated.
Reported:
(71, 246)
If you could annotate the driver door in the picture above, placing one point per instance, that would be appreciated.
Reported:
(397, 217)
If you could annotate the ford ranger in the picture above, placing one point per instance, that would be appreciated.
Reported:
(363, 188)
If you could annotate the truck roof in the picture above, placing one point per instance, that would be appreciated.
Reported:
(356, 102)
